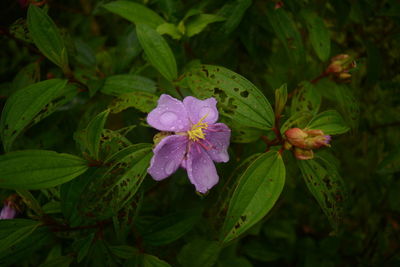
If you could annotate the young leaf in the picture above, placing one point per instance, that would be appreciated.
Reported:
(142, 101)
(157, 51)
(205, 252)
(14, 231)
(135, 12)
(280, 99)
(330, 122)
(47, 37)
(170, 29)
(117, 85)
(26, 106)
(305, 98)
(298, 119)
(319, 34)
(238, 99)
(256, 193)
(198, 23)
(93, 133)
(37, 169)
(326, 185)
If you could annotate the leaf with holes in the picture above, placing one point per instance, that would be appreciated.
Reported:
(305, 98)
(330, 122)
(135, 12)
(145, 102)
(157, 50)
(107, 194)
(326, 185)
(238, 99)
(24, 107)
(37, 169)
(319, 34)
(47, 37)
(257, 191)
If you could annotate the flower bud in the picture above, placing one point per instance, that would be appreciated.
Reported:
(340, 66)
(310, 139)
(303, 154)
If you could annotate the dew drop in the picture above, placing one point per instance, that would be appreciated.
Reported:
(169, 167)
(168, 117)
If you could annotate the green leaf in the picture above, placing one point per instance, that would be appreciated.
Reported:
(170, 29)
(281, 96)
(198, 23)
(256, 193)
(14, 231)
(326, 185)
(37, 169)
(305, 98)
(28, 75)
(391, 163)
(330, 122)
(107, 194)
(26, 107)
(82, 246)
(135, 13)
(93, 133)
(238, 99)
(298, 119)
(287, 33)
(21, 251)
(61, 261)
(153, 261)
(348, 105)
(205, 252)
(234, 13)
(127, 83)
(142, 101)
(170, 228)
(157, 51)
(47, 37)
(124, 252)
(319, 34)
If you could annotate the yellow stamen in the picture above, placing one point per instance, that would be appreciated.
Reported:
(196, 132)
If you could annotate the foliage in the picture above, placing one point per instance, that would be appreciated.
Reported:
(80, 77)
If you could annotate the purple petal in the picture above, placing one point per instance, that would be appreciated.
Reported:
(197, 109)
(201, 169)
(168, 155)
(218, 135)
(169, 115)
(7, 212)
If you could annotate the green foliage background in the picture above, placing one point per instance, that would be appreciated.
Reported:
(79, 77)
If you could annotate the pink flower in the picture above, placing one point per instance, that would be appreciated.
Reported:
(7, 212)
(310, 139)
(196, 143)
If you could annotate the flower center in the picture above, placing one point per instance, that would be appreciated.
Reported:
(196, 132)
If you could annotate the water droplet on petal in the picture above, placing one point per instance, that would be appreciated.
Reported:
(167, 118)
(169, 167)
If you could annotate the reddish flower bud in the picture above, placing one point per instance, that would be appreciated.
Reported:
(310, 139)
(303, 154)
